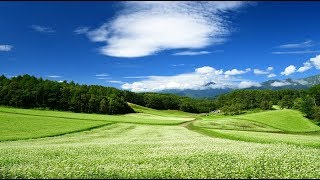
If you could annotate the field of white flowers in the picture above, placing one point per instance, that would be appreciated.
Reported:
(153, 151)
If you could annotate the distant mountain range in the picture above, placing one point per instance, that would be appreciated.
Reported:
(302, 83)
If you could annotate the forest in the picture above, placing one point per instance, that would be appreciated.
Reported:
(30, 92)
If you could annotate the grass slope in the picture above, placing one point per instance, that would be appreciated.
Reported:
(168, 113)
(146, 151)
(286, 120)
(18, 126)
(93, 117)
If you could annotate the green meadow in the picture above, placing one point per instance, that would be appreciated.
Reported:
(157, 144)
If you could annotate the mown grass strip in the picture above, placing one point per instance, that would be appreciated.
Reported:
(259, 137)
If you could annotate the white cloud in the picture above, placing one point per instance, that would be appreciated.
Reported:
(116, 82)
(145, 28)
(42, 29)
(306, 66)
(81, 30)
(305, 44)
(236, 72)
(102, 75)
(264, 72)
(271, 75)
(5, 47)
(301, 81)
(316, 61)
(99, 35)
(54, 76)
(270, 68)
(280, 83)
(260, 72)
(208, 70)
(297, 52)
(194, 80)
(191, 53)
(60, 81)
(289, 70)
(247, 84)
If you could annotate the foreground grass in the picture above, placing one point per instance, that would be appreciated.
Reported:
(18, 126)
(146, 151)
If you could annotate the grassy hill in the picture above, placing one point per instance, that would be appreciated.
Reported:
(285, 120)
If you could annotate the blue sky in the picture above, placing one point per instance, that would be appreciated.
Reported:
(143, 46)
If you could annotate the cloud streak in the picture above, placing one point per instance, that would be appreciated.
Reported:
(5, 47)
(54, 76)
(102, 75)
(42, 29)
(191, 53)
(297, 52)
(146, 28)
(305, 44)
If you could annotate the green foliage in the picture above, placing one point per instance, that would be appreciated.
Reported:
(265, 105)
(30, 92)
(297, 104)
(307, 107)
(233, 109)
(286, 102)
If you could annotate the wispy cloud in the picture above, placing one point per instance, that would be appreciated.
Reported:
(265, 72)
(42, 29)
(135, 77)
(175, 65)
(297, 52)
(54, 76)
(146, 28)
(194, 80)
(103, 78)
(116, 82)
(81, 30)
(305, 44)
(191, 53)
(5, 47)
(102, 75)
(271, 75)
